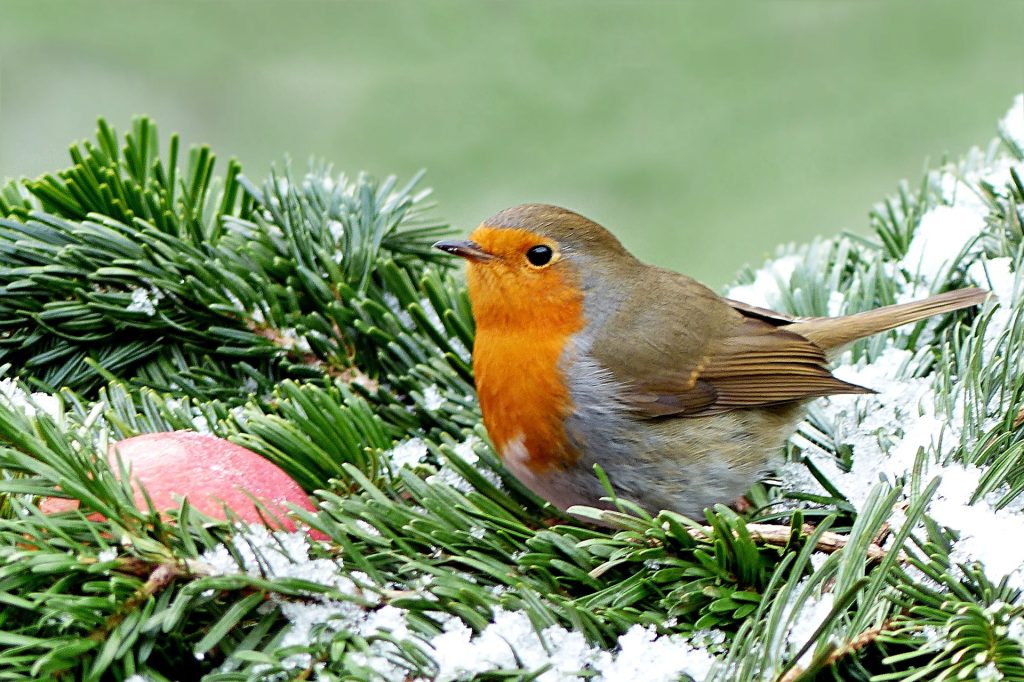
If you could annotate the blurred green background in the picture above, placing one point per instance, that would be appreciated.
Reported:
(702, 133)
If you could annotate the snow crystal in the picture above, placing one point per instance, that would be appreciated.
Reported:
(366, 526)
(414, 451)
(465, 450)
(1015, 630)
(508, 640)
(408, 453)
(998, 177)
(336, 228)
(769, 282)
(432, 398)
(1012, 124)
(511, 641)
(643, 654)
(435, 322)
(818, 560)
(988, 673)
(885, 430)
(961, 192)
(200, 424)
(290, 339)
(450, 649)
(802, 624)
(404, 318)
(996, 275)
(447, 475)
(256, 315)
(450, 477)
(392, 621)
(943, 233)
(145, 301)
(281, 554)
(836, 304)
(307, 622)
(983, 529)
(249, 386)
(29, 404)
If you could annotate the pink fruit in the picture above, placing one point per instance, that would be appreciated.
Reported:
(210, 472)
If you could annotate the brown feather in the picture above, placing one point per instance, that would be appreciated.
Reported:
(694, 353)
(759, 359)
(772, 317)
(831, 333)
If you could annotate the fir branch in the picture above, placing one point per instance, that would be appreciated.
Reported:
(307, 319)
(140, 271)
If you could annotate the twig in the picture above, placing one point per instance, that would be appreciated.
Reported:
(768, 534)
(859, 642)
(144, 567)
(854, 645)
(159, 579)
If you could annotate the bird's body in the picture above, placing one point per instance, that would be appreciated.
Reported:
(584, 355)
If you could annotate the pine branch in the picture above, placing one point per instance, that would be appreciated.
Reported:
(307, 319)
(140, 271)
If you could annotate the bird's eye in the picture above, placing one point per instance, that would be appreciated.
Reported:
(539, 255)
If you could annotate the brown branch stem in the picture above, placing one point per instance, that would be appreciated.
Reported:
(853, 646)
(160, 576)
(159, 579)
(769, 534)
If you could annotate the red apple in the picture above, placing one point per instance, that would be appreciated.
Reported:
(210, 472)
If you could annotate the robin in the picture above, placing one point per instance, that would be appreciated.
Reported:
(584, 355)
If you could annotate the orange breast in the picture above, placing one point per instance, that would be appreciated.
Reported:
(523, 396)
(524, 319)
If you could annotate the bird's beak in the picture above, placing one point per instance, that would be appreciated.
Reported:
(465, 249)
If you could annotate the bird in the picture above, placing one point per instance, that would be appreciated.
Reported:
(584, 356)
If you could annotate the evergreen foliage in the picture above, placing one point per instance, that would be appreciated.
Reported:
(308, 320)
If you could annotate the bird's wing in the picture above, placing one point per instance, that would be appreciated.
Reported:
(772, 317)
(709, 357)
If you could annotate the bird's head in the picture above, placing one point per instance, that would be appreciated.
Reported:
(534, 263)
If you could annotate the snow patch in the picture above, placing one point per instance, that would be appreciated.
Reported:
(943, 234)
(403, 316)
(432, 398)
(769, 283)
(408, 453)
(29, 404)
(645, 655)
(807, 618)
(983, 529)
(145, 300)
(448, 475)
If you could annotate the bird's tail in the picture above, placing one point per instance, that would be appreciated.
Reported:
(833, 333)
